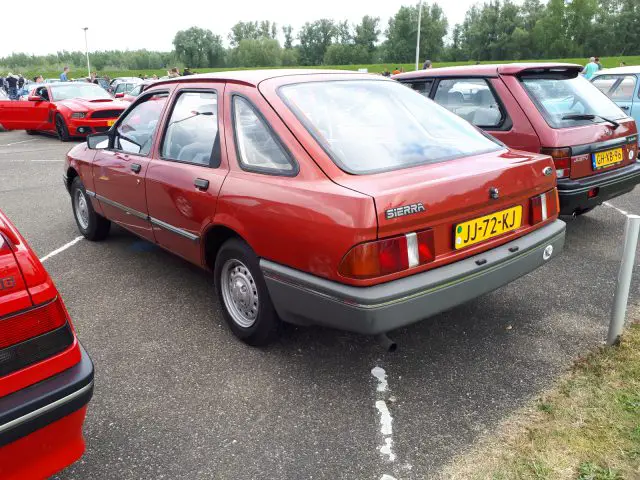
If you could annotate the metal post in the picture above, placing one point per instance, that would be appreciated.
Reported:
(86, 49)
(418, 37)
(632, 229)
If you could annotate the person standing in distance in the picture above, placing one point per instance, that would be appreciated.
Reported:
(590, 68)
(427, 64)
(64, 75)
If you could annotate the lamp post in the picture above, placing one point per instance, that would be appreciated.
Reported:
(418, 36)
(86, 50)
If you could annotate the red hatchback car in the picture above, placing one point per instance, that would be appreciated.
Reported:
(545, 108)
(331, 198)
(68, 109)
(46, 377)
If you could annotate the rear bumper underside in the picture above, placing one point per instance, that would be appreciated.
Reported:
(302, 298)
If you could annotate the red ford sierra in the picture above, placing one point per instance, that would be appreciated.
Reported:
(67, 109)
(318, 197)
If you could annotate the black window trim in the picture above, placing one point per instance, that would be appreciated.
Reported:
(249, 168)
(175, 98)
(505, 124)
(125, 114)
(413, 81)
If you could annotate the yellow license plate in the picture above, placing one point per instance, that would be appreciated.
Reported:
(483, 228)
(110, 123)
(607, 158)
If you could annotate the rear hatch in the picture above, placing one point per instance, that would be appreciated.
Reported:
(36, 337)
(446, 195)
(585, 132)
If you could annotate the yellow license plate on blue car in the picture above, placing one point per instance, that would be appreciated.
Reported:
(483, 228)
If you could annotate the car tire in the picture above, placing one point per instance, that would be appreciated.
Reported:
(243, 295)
(92, 226)
(61, 129)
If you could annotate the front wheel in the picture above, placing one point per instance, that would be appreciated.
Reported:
(243, 295)
(91, 225)
(61, 129)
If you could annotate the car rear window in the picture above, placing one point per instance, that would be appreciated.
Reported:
(369, 126)
(557, 97)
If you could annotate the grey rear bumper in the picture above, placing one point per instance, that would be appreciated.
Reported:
(302, 298)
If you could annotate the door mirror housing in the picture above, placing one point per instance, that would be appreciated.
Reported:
(98, 141)
(119, 95)
(35, 98)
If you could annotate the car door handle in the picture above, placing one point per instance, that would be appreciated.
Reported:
(201, 184)
(136, 167)
(624, 107)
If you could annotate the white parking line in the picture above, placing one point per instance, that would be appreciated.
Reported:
(626, 214)
(17, 143)
(386, 421)
(61, 249)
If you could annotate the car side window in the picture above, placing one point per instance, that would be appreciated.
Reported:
(192, 132)
(134, 133)
(423, 87)
(471, 99)
(624, 89)
(257, 147)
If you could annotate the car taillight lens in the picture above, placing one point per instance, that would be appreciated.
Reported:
(561, 159)
(21, 326)
(544, 206)
(390, 255)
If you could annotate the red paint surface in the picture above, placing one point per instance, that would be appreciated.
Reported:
(45, 451)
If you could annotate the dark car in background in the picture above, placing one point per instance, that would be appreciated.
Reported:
(545, 108)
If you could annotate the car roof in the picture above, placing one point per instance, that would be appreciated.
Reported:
(483, 70)
(254, 77)
(631, 69)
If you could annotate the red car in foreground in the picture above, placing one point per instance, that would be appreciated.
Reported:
(68, 109)
(548, 108)
(46, 377)
(333, 198)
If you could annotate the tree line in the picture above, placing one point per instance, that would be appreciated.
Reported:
(493, 30)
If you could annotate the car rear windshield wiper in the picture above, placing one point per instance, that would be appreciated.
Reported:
(589, 116)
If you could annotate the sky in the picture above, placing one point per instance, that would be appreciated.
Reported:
(152, 24)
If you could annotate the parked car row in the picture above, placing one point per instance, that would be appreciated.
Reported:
(547, 108)
(313, 197)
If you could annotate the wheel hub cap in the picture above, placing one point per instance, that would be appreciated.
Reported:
(240, 293)
(82, 210)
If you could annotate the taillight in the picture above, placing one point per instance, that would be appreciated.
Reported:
(390, 255)
(21, 326)
(544, 206)
(561, 159)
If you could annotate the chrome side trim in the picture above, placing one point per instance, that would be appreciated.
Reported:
(127, 210)
(144, 216)
(176, 230)
(90, 193)
(46, 408)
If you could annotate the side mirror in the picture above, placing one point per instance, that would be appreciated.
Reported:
(98, 141)
(35, 98)
(119, 95)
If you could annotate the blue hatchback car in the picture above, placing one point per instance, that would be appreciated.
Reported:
(621, 85)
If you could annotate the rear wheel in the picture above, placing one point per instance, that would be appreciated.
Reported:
(61, 129)
(91, 225)
(243, 294)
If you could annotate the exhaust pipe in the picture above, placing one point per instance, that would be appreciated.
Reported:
(388, 344)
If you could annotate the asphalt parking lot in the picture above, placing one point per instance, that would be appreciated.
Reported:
(177, 396)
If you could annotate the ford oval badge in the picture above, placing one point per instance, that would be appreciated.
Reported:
(494, 193)
(547, 171)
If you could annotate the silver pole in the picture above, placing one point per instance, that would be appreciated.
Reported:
(632, 229)
(86, 49)
(418, 36)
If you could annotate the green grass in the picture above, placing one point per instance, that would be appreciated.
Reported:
(607, 62)
(586, 428)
